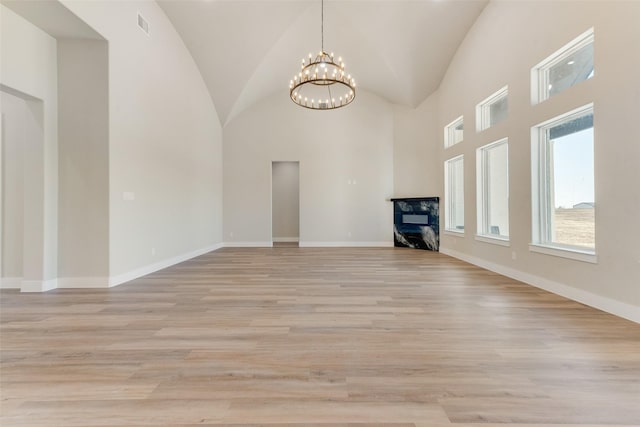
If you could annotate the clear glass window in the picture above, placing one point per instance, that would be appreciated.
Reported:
(498, 111)
(565, 193)
(492, 110)
(454, 190)
(493, 190)
(454, 132)
(570, 65)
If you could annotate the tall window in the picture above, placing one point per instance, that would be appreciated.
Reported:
(493, 190)
(454, 132)
(563, 182)
(570, 65)
(492, 110)
(454, 193)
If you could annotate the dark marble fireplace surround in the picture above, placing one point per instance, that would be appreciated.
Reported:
(416, 222)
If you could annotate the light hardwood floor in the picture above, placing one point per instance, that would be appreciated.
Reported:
(330, 337)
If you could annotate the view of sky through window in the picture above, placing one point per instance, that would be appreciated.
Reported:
(573, 169)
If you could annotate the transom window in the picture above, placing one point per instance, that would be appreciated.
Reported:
(570, 65)
(454, 132)
(492, 110)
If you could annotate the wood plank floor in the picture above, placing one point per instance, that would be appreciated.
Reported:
(330, 337)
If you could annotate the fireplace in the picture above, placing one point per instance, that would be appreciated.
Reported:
(416, 223)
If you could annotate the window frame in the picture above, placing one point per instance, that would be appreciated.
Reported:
(482, 193)
(448, 193)
(483, 109)
(540, 72)
(449, 138)
(542, 191)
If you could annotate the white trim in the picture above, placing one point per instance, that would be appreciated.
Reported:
(617, 308)
(454, 233)
(494, 240)
(10, 282)
(449, 132)
(448, 201)
(576, 254)
(248, 244)
(82, 282)
(38, 285)
(146, 30)
(285, 239)
(483, 109)
(483, 189)
(148, 269)
(540, 72)
(566, 117)
(310, 244)
(542, 185)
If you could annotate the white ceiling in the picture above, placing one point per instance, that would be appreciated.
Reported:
(248, 50)
(53, 18)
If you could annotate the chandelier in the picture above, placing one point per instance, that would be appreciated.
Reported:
(321, 83)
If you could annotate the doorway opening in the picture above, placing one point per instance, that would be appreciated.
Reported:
(285, 203)
(21, 201)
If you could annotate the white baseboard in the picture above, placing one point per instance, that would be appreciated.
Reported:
(10, 282)
(83, 282)
(148, 269)
(348, 244)
(38, 285)
(248, 244)
(285, 239)
(98, 282)
(309, 244)
(617, 308)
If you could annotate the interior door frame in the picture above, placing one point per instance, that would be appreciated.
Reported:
(271, 198)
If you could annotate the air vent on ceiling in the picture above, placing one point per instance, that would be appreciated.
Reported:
(143, 24)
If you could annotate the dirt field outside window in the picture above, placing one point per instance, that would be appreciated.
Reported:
(575, 227)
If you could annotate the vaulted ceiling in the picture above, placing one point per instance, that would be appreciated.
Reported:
(249, 50)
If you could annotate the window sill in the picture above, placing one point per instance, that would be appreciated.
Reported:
(575, 254)
(454, 233)
(493, 240)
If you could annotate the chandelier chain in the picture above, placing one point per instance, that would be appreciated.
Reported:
(322, 27)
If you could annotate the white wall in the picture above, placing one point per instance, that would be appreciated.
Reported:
(416, 168)
(285, 200)
(28, 69)
(83, 162)
(14, 111)
(506, 41)
(164, 142)
(346, 171)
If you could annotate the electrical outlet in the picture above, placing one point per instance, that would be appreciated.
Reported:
(514, 255)
(348, 234)
(153, 251)
(231, 234)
